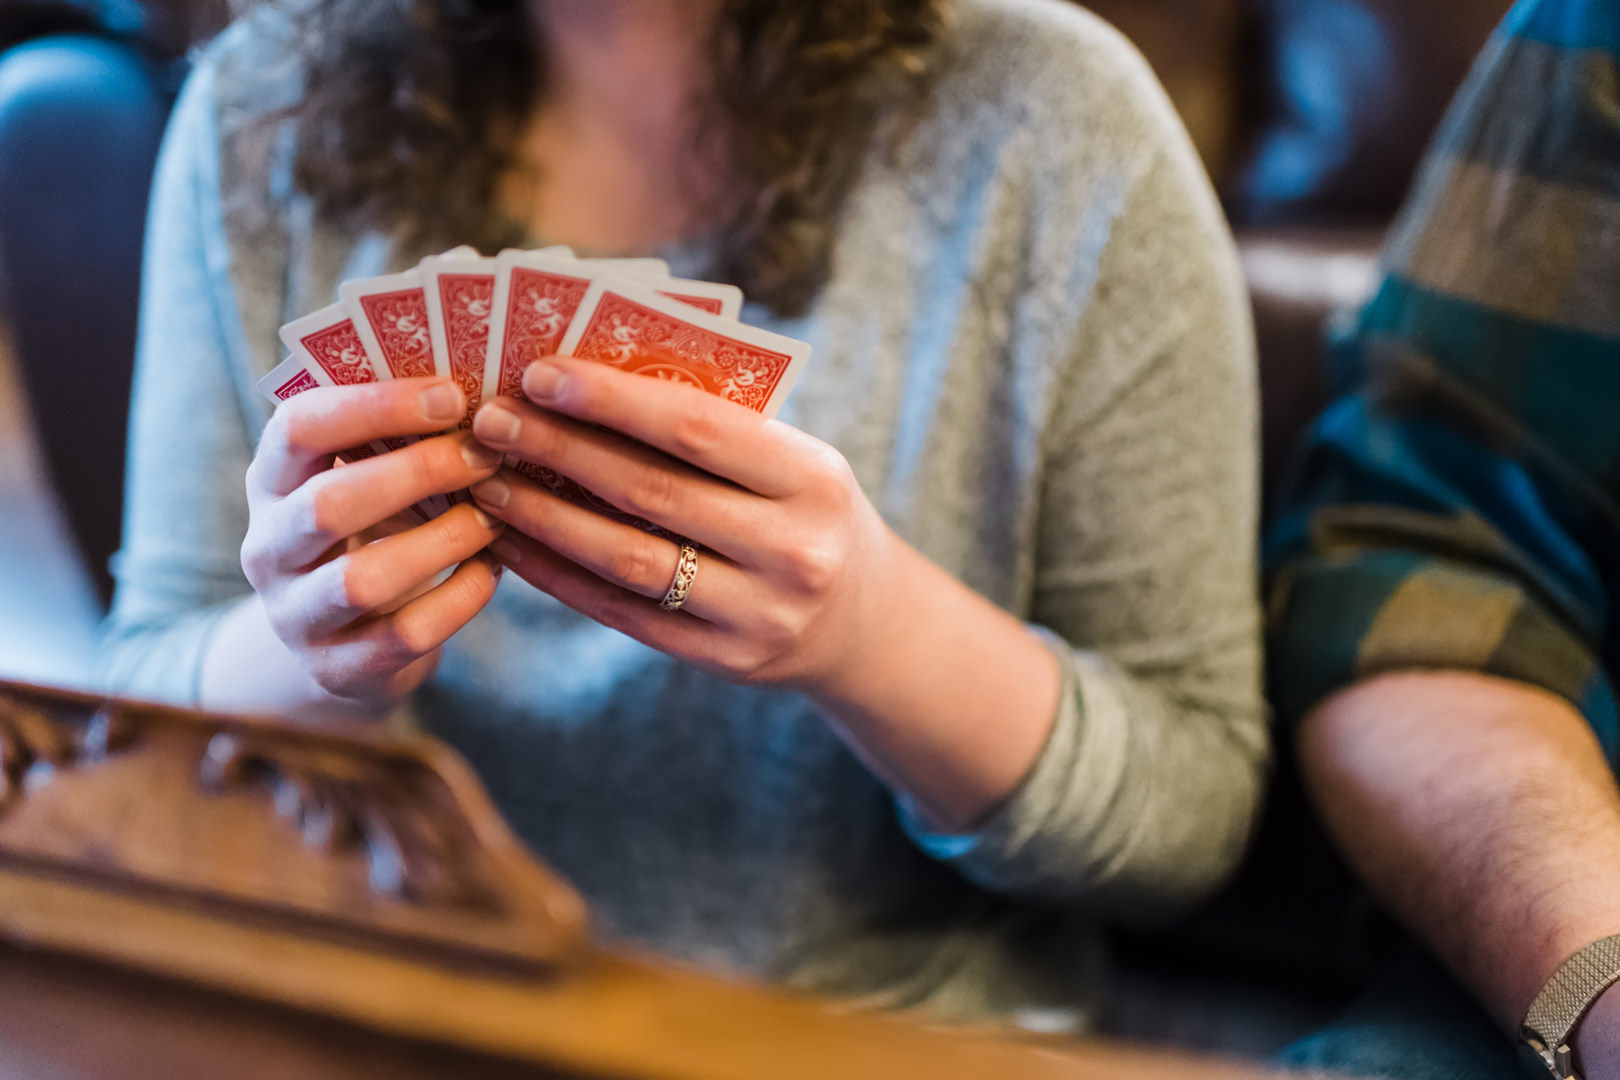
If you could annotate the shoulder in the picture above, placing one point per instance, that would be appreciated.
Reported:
(252, 68)
(1055, 69)
(1049, 111)
(230, 130)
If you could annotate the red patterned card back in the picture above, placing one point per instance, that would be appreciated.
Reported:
(466, 300)
(400, 321)
(338, 351)
(295, 386)
(712, 304)
(539, 308)
(645, 341)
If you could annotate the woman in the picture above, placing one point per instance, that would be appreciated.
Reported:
(972, 646)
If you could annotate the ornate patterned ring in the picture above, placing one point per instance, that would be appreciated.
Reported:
(685, 574)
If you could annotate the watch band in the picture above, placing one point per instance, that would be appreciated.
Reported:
(1558, 1009)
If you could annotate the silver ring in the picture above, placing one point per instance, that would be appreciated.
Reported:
(685, 574)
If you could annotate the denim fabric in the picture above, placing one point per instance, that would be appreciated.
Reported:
(1412, 1022)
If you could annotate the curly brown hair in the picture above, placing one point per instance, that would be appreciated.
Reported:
(413, 103)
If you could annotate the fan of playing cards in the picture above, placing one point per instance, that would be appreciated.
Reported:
(482, 321)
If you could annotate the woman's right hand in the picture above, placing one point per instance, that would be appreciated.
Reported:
(346, 581)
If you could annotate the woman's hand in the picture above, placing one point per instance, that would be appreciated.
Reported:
(345, 580)
(800, 583)
(790, 549)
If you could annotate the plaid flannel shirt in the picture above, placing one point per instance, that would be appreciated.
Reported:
(1459, 506)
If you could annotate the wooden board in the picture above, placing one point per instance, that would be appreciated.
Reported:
(260, 884)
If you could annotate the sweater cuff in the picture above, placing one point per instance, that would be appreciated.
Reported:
(1022, 847)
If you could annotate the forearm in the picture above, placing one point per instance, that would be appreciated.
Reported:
(1482, 813)
(947, 698)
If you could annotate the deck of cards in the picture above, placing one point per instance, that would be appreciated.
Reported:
(482, 321)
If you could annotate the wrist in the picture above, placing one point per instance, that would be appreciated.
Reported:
(861, 646)
(1597, 1039)
(1573, 1023)
(947, 698)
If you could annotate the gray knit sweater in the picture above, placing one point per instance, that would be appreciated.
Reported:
(1035, 352)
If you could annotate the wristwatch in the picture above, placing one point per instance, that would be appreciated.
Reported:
(1563, 1002)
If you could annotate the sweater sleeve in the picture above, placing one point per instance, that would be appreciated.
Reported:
(1145, 794)
(190, 444)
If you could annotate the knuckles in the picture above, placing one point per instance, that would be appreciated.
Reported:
(542, 440)
(428, 466)
(782, 627)
(695, 432)
(256, 559)
(298, 425)
(816, 568)
(651, 492)
(343, 677)
(831, 481)
(635, 565)
(327, 504)
(409, 638)
(362, 586)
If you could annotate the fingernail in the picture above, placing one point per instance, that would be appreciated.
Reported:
(496, 567)
(483, 519)
(506, 549)
(479, 456)
(493, 491)
(543, 381)
(497, 424)
(440, 403)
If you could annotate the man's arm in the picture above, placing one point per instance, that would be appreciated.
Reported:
(1483, 814)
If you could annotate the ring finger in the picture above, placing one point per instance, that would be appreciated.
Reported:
(621, 554)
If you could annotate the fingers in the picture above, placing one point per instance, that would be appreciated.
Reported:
(339, 503)
(694, 640)
(618, 553)
(638, 480)
(379, 575)
(379, 656)
(305, 432)
(715, 435)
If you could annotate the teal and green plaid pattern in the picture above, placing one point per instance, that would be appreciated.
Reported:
(1459, 506)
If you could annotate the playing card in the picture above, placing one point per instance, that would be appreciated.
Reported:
(391, 319)
(482, 321)
(640, 269)
(331, 353)
(535, 298)
(459, 293)
(631, 326)
(296, 374)
(725, 301)
(328, 338)
(290, 378)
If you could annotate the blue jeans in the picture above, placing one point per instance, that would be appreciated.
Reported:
(80, 121)
(1412, 1022)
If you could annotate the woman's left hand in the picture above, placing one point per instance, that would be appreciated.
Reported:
(790, 550)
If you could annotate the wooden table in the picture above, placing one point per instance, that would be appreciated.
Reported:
(184, 895)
